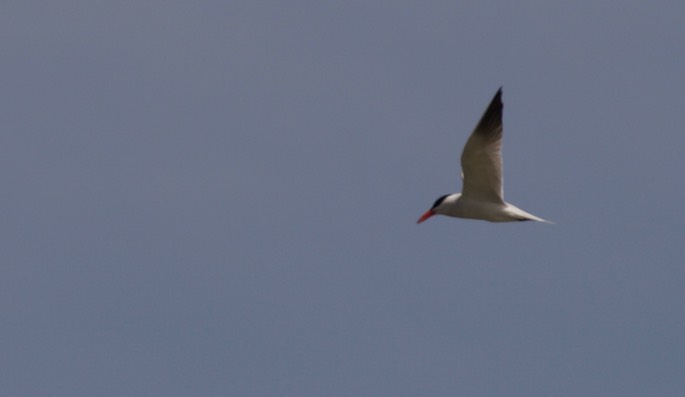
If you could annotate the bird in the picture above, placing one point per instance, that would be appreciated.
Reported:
(482, 195)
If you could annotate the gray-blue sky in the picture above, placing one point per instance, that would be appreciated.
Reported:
(218, 198)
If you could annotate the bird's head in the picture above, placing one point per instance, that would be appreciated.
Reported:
(440, 206)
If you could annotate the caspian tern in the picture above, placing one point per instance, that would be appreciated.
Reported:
(481, 162)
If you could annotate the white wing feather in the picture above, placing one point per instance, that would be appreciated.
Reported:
(481, 160)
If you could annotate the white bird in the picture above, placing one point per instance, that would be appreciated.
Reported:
(481, 163)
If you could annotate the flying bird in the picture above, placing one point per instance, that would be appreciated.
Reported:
(481, 162)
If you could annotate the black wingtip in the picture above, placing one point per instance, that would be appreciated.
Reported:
(491, 122)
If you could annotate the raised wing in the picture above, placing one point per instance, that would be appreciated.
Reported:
(481, 160)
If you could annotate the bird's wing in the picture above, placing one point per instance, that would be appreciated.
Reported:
(481, 161)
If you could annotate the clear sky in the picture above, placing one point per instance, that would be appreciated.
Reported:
(218, 198)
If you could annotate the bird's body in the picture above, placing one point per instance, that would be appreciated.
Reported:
(481, 161)
(458, 206)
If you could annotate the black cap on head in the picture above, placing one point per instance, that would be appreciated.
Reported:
(439, 201)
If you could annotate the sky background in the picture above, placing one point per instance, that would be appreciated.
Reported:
(218, 198)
